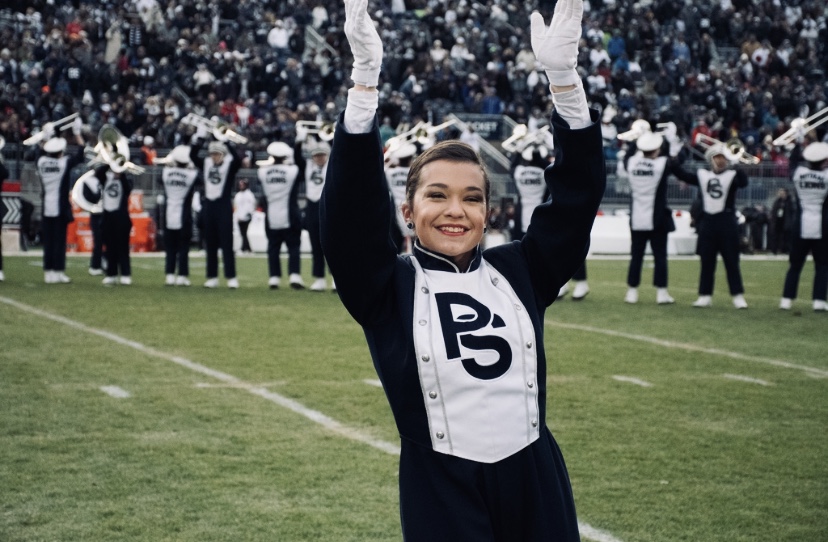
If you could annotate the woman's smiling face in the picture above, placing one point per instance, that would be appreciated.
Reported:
(449, 209)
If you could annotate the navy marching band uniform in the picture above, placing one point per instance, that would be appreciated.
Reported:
(471, 432)
(217, 208)
(811, 183)
(718, 230)
(116, 224)
(531, 187)
(179, 182)
(314, 176)
(54, 169)
(280, 185)
(651, 220)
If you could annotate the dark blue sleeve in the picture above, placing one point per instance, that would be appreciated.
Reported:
(557, 238)
(356, 224)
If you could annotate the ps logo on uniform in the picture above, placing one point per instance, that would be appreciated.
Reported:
(113, 190)
(458, 331)
(714, 188)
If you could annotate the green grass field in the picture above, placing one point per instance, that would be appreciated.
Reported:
(252, 415)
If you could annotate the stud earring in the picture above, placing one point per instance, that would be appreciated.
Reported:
(410, 225)
(485, 230)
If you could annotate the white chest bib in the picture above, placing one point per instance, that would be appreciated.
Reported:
(112, 194)
(215, 177)
(714, 189)
(477, 355)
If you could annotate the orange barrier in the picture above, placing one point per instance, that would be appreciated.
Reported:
(141, 237)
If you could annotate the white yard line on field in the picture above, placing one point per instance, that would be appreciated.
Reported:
(632, 380)
(290, 404)
(748, 379)
(811, 371)
(115, 391)
(587, 531)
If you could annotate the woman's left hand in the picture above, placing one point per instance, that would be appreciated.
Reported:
(366, 45)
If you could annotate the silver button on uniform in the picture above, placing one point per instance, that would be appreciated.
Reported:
(440, 434)
(426, 358)
(432, 394)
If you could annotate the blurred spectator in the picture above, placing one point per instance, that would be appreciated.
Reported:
(682, 60)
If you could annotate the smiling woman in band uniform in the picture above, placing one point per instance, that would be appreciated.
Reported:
(455, 332)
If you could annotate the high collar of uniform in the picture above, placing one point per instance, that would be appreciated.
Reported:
(435, 261)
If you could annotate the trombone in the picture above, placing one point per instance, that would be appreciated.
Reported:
(801, 126)
(323, 130)
(423, 133)
(50, 128)
(220, 130)
(521, 138)
(733, 150)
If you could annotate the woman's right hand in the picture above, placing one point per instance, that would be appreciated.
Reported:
(366, 45)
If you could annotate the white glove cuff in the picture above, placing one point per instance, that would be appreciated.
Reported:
(368, 77)
(360, 111)
(562, 78)
(572, 106)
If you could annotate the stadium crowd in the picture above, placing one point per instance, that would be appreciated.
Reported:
(742, 68)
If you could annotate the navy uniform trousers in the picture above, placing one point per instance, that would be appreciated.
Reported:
(218, 234)
(719, 234)
(799, 252)
(496, 496)
(658, 243)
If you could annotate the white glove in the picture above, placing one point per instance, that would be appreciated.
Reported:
(301, 134)
(365, 43)
(556, 47)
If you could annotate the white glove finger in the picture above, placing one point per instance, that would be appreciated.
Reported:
(537, 32)
(537, 24)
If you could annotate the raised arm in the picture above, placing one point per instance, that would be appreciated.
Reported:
(557, 239)
(355, 205)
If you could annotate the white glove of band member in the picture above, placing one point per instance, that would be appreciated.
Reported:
(365, 43)
(556, 47)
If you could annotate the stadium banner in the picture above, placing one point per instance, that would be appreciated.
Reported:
(488, 127)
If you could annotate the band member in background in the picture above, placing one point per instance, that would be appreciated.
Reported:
(313, 173)
(116, 224)
(456, 332)
(244, 205)
(54, 169)
(179, 179)
(650, 218)
(283, 222)
(396, 174)
(717, 226)
(811, 230)
(219, 170)
(527, 171)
